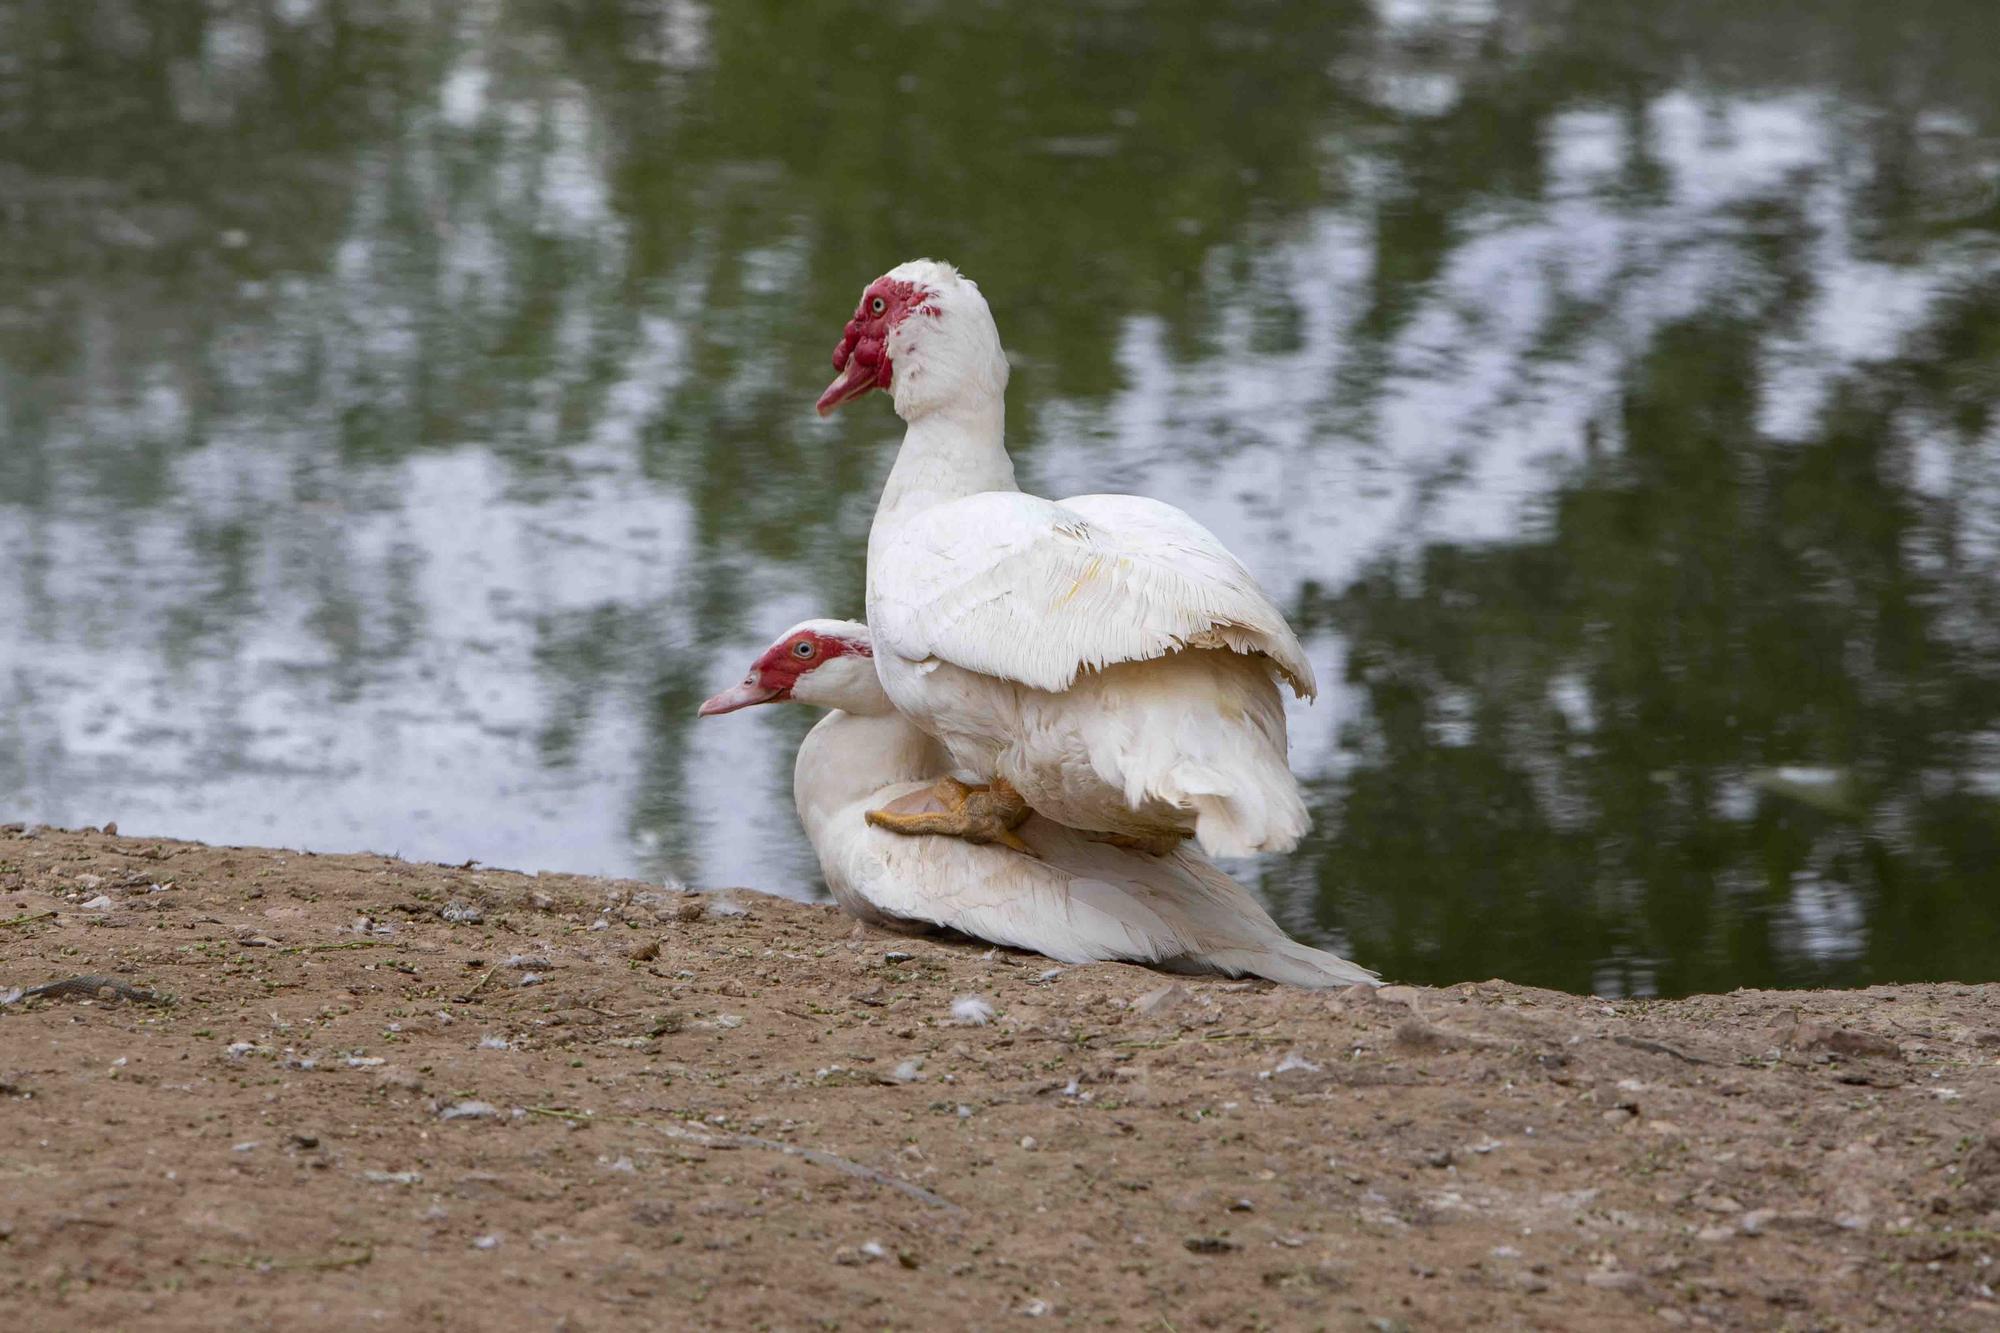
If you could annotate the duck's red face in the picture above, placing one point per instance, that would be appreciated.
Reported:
(776, 674)
(862, 358)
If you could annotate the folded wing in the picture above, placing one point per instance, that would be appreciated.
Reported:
(1035, 591)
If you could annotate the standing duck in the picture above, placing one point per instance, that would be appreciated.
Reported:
(1103, 661)
(1065, 894)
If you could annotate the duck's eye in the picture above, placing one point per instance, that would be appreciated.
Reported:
(878, 305)
(803, 649)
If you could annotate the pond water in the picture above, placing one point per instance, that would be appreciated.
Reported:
(406, 419)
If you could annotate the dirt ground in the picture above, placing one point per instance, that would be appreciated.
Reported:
(350, 1091)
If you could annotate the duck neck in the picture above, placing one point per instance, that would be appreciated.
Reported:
(948, 453)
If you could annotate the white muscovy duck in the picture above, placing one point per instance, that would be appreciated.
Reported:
(1102, 660)
(1074, 898)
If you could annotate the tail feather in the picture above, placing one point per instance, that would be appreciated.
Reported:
(1292, 964)
(1251, 823)
(1205, 734)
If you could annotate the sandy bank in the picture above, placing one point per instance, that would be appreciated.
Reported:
(397, 1095)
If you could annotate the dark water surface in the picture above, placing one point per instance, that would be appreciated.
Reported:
(406, 418)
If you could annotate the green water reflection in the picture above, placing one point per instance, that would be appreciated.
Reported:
(405, 419)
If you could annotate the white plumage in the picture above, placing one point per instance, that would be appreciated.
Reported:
(1105, 654)
(1076, 900)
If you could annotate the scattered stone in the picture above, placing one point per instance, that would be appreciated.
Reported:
(1166, 1000)
(1842, 1041)
(1613, 1279)
(1210, 1245)
(393, 1177)
(469, 1110)
(909, 1071)
(101, 903)
(461, 913)
(644, 952)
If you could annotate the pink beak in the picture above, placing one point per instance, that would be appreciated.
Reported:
(745, 694)
(853, 381)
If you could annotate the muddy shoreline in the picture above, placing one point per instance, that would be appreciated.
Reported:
(350, 1090)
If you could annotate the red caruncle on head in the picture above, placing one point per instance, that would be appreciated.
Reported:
(862, 357)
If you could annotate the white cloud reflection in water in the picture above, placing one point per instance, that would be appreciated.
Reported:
(322, 635)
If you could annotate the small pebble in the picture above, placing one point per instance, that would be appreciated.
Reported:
(1754, 1222)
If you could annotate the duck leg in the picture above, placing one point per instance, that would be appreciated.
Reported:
(1161, 843)
(953, 809)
